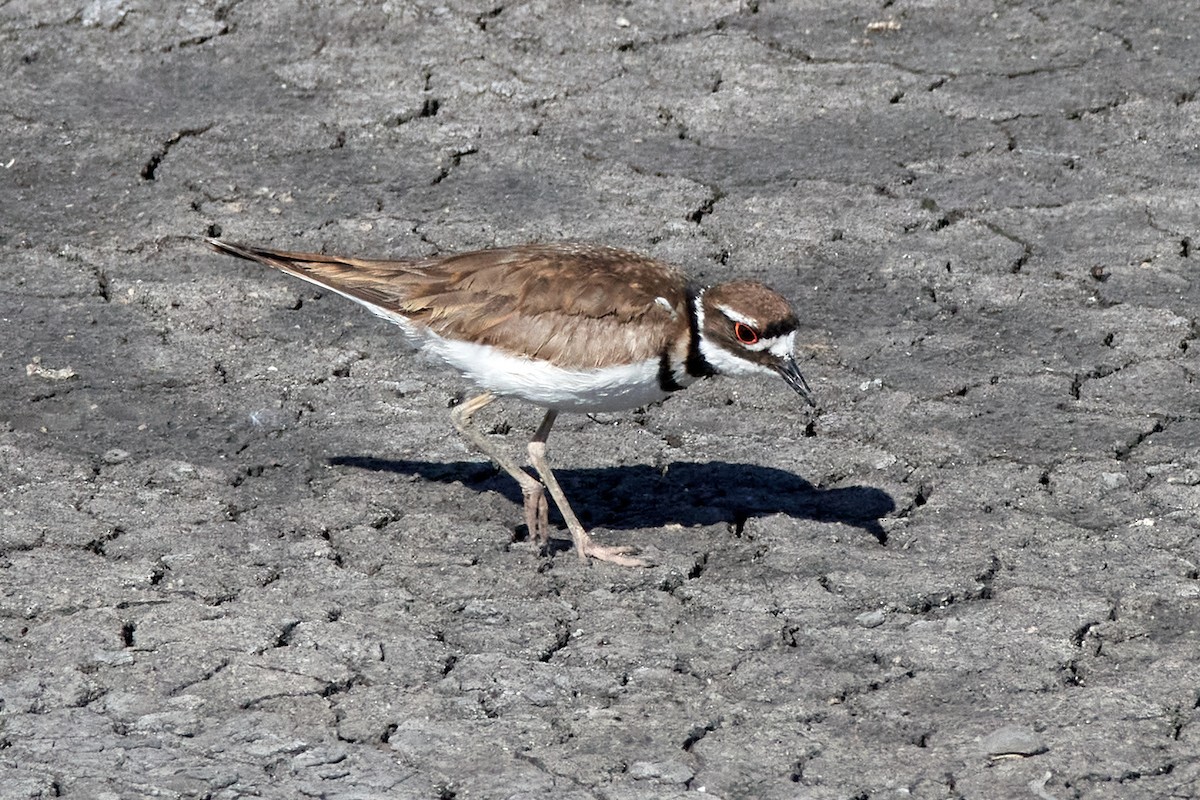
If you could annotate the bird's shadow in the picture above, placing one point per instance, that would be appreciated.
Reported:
(682, 493)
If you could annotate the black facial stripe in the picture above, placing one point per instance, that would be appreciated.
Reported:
(696, 364)
(780, 328)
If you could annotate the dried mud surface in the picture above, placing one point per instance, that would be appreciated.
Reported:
(242, 554)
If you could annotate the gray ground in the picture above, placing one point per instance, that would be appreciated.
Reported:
(242, 554)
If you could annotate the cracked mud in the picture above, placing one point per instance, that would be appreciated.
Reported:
(242, 554)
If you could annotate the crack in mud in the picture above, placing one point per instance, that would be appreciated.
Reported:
(149, 170)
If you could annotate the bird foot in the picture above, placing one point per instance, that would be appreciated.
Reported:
(613, 555)
(537, 520)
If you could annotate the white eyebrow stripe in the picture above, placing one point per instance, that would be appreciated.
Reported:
(736, 317)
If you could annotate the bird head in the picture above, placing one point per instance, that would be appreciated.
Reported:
(746, 329)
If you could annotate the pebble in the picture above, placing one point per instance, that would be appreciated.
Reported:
(1114, 480)
(662, 771)
(1012, 740)
(871, 619)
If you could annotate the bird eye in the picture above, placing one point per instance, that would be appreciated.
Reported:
(744, 333)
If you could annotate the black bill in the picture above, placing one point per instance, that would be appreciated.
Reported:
(790, 371)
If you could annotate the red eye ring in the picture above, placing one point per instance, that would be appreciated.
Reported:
(744, 333)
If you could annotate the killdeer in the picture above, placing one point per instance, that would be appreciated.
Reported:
(567, 327)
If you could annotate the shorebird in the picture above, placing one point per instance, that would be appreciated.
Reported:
(567, 327)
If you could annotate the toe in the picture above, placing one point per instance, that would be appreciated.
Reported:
(616, 555)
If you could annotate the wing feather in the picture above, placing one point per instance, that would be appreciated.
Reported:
(570, 304)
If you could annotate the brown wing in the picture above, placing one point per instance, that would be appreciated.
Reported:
(566, 303)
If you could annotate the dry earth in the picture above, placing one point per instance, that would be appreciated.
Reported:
(242, 554)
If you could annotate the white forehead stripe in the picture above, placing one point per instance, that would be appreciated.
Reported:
(782, 346)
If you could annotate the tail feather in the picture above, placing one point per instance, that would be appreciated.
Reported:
(283, 258)
(244, 251)
(372, 282)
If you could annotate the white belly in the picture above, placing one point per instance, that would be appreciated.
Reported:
(543, 384)
(538, 382)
